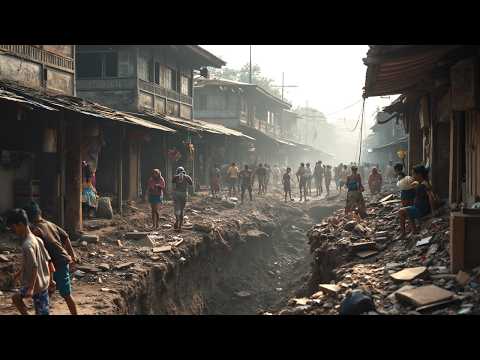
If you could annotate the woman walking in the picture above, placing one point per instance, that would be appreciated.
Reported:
(155, 188)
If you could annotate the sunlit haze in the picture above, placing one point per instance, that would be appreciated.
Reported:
(329, 77)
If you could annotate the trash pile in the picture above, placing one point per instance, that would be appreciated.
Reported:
(360, 268)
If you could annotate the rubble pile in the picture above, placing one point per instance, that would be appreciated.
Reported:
(406, 276)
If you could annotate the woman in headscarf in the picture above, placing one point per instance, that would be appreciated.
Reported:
(375, 181)
(180, 186)
(155, 188)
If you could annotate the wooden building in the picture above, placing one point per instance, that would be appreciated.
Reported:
(253, 111)
(156, 83)
(45, 129)
(440, 107)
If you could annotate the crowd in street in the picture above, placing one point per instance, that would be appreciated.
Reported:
(48, 255)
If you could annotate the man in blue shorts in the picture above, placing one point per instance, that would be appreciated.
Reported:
(59, 247)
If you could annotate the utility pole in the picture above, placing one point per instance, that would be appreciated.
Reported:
(250, 72)
(283, 86)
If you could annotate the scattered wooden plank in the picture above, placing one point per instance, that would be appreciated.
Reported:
(162, 249)
(363, 246)
(409, 273)
(424, 295)
(366, 254)
(437, 305)
(329, 288)
(386, 198)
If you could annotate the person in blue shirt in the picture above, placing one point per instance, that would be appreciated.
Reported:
(354, 193)
(422, 204)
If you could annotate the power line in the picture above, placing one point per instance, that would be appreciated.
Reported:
(347, 107)
(361, 133)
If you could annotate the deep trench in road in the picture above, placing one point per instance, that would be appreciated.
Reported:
(256, 275)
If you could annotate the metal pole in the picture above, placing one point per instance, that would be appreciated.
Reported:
(283, 84)
(250, 73)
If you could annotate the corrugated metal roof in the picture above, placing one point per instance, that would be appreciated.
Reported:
(392, 70)
(196, 126)
(15, 92)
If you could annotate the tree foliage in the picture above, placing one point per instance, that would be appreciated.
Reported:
(242, 75)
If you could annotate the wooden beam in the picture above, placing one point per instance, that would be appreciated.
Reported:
(73, 183)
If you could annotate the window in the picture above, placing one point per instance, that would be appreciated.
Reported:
(185, 86)
(150, 70)
(168, 78)
(157, 73)
(111, 64)
(97, 65)
(89, 65)
(174, 81)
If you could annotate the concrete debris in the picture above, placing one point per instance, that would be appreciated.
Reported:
(366, 254)
(160, 249)
(329, 289)
(424, 241)
(4, 258)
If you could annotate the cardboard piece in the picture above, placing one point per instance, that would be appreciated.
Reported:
(424, 295)
(409, 273)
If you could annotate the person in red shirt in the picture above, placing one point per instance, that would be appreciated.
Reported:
(155, 187)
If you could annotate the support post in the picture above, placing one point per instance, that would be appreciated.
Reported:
(120, 171)
(73, 183)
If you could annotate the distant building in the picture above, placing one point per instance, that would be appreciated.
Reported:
(386, 141)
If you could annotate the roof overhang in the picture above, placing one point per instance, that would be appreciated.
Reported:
(395, 69)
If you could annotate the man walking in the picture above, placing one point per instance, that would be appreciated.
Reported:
(246, 182)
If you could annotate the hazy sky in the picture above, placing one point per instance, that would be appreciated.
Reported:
(329, 77)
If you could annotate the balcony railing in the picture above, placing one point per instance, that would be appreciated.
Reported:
(161, 91)
(39, 55)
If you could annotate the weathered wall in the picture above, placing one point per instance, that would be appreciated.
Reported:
(60, 81)
(23, 71)
(117, 99)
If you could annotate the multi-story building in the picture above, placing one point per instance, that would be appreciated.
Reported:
(155, 82)
(252, 110)
(46, 132)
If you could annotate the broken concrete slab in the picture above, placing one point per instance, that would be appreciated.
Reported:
(366, 254)
(424, 241)
(330, 288)
(409, 273)
(160, 249)
(4, 258)
(124, 265)
(424, 295)
(104, 267)
(136, 235)
(89, 239)
(88, 269)
(363, 246)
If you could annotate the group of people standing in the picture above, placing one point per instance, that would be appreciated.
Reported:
(156, 188)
